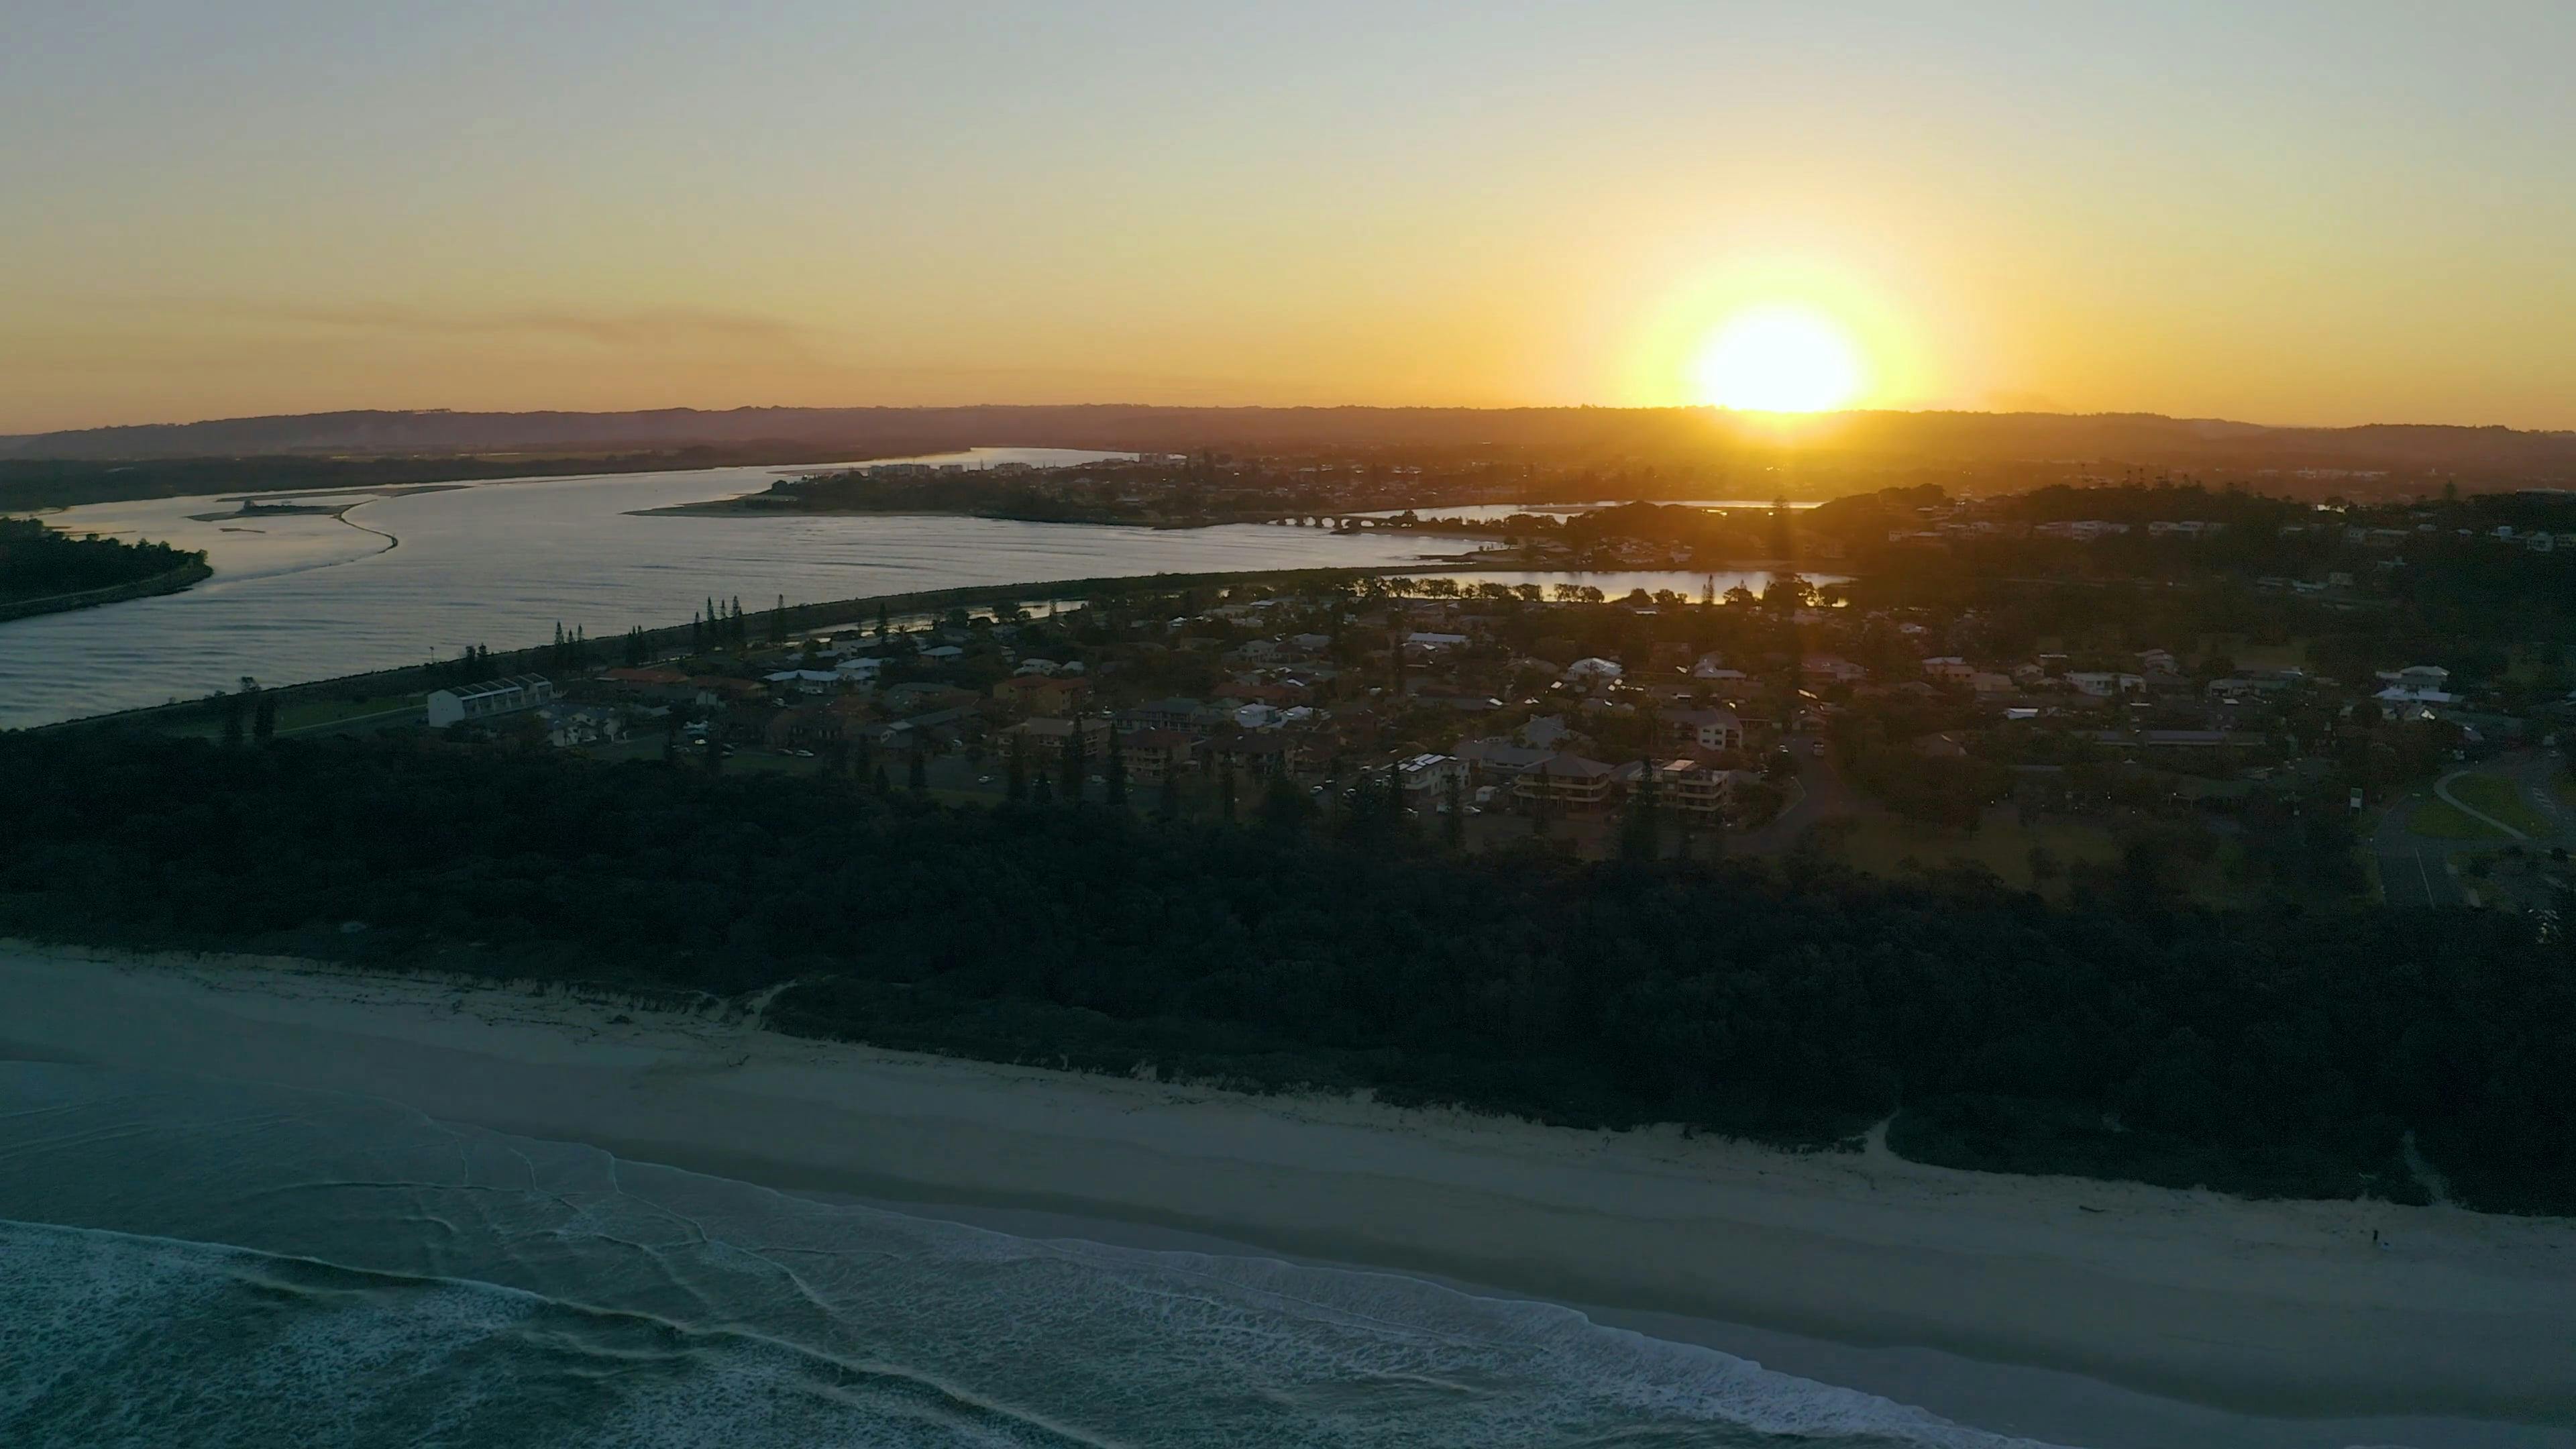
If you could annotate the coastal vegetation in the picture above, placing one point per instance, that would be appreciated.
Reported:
(2281, 1051)
(43, 569)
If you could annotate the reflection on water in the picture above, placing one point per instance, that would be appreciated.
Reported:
(308, 596)
(311, 597)
(1489, 512)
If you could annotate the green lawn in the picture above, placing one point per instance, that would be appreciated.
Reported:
(1881, 844)
(306, 714)
(2501, 798)
(2436, 819)
(315, 712)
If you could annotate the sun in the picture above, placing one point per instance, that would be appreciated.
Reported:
(1778, 360)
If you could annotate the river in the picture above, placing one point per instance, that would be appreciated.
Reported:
(411, 574)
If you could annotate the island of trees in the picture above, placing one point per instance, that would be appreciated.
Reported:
(43, 570)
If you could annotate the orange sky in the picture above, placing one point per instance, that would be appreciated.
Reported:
(2322, 214)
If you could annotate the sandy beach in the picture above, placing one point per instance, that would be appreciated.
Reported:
(1847, 1266)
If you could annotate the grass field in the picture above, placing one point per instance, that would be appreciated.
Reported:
(311, 713)
(2501, 798)
(1882, 844)
(317, 712)
(2293, 655)
(2437, 820)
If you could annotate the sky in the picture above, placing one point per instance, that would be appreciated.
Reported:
(2325, 213)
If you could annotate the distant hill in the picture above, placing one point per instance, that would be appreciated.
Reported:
(1649, 434)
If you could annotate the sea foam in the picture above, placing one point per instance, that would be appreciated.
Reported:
(222, 1265)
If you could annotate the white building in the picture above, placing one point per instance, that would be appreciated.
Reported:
(2103, 684)
(493, 697)
(1430, 774)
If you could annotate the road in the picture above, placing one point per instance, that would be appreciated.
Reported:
(2442, 787)
(1825, 796)
(2420, 871)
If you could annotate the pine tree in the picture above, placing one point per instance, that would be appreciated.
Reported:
(1454, 829)
(916, 771)
(232, 711)
(1018, 788)
(1641, 837)
(1167, 798)
(1043, 793)
(1071, 767)
(884, 625)
(263, 725)
(1225, 793)
(1114, 773)
(879, 783)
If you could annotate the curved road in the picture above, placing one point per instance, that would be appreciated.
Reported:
(2442, 787)
(2416, 870)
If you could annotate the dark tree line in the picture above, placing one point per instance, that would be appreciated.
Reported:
(37, 562)
(2275, 1052)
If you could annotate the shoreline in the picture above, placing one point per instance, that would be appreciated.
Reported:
(1850, 1263)
(173, 581)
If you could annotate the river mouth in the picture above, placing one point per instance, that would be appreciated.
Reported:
(314, 596)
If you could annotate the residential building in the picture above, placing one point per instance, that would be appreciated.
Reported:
(2102, 684)
(1170, 714)
(1044, 739)
(803, 727)
(923, 696)
(1702, 729)
(1042, 694)
(568, 726)
(1425, 778)
(1684, 785)
(1153, 756)
(1497, 758)
(1565, 782)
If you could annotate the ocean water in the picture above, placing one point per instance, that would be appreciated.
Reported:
(188, 1263)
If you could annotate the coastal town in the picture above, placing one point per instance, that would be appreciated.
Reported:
(1485, 715)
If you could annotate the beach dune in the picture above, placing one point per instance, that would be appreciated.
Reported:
(2296, 1309)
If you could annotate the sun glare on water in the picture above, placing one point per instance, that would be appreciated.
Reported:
(1779, 360)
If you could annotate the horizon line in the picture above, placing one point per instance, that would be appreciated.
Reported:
(1820, 416)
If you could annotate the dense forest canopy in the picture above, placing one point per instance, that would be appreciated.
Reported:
(2277, 1051)
(38, 562)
